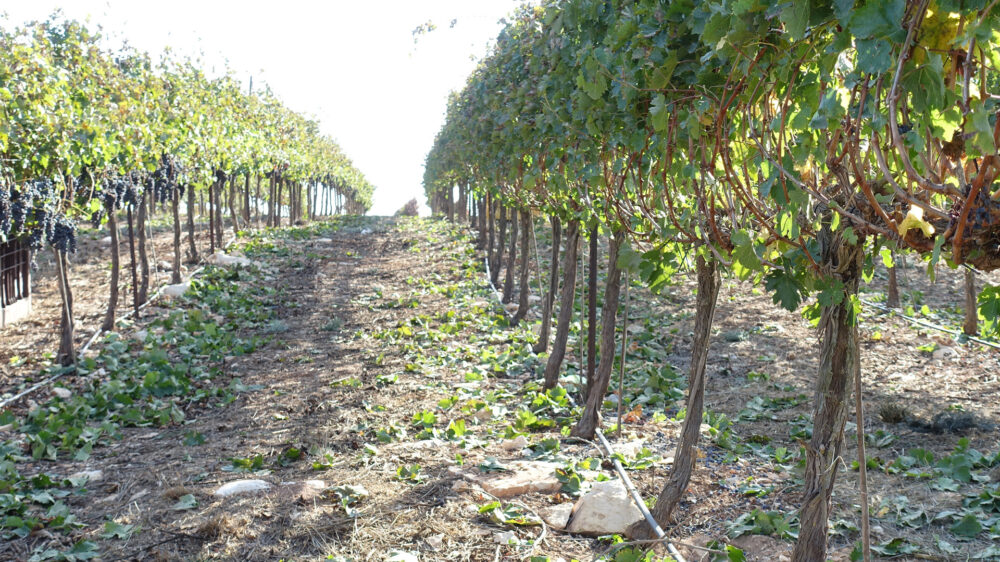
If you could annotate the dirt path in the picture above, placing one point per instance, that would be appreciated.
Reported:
(330, 397)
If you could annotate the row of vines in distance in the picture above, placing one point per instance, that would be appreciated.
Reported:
(88, 133)
(790, 144)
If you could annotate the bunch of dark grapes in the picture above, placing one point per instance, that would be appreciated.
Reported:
(164, 180)
(63, 235)
(5, 218)
(44, 223)
(23, 200)
(115, 192)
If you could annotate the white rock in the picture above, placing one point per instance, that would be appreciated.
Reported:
(515, 444)
(323, 241)
(507, 537)
(90, 475)
(106, 241)
(141, 335)
(606, 509)
(61, 392)
(525, 477)
(629, 449)
(175, 291)
(421, 445)
(557, 516)
(534, 298)
(241, 487)
(944, 352)
(401, 556)
(366, 232)
(224, 260)
(164, 265)
(436, 542)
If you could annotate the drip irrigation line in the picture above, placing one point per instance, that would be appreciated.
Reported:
(930, 325)
(97, 334)
(626, 481)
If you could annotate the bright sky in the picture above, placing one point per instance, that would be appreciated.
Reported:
(353, 64)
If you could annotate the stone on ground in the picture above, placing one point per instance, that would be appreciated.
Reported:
(225, 260)
(62, 392)
(401, 556)
(178, 290)
(238, 487)
(515, 444)
(90, 475)
(557, 516)
(605, 510)
(524, 477)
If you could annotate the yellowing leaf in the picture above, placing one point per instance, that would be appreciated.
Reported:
(915, 219)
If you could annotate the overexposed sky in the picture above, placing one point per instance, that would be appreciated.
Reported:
(352, 64)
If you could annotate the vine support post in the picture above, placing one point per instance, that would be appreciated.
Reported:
(971, 325)
(685, 456)
(192, 245)
(592, 310)
(211, 217)
(67, 331)
(621, 362)
(500, 238)
(481, 221)
(246, 199)
(859, 411)
(892, 289)
(132, 260)
(175, 275)
(141, 220)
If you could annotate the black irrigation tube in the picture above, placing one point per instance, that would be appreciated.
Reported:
(930, 325)
(626, 481)
(97, 334)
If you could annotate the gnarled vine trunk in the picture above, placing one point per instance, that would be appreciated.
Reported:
(508, 280)
(590, 418)
(175, 207)
(523, 292)
(109, 315)
(684, 456)
(839, 362)
(554, 364)
(501, 238)
(550, 297)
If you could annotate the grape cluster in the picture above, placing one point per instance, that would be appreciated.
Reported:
(164, 180)
(63, 235)
(5, 211)
(29, 209)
